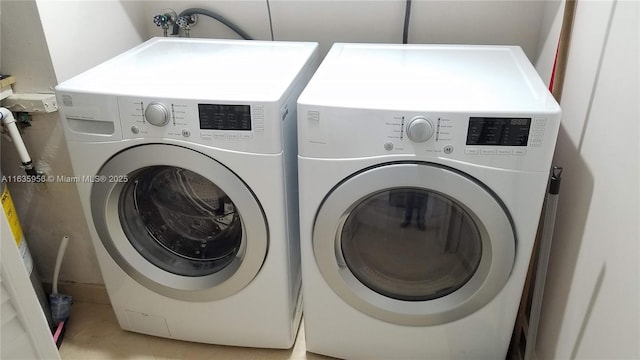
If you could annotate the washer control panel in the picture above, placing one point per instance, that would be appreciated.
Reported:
(220, 123)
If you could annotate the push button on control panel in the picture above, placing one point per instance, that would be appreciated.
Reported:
(257, 112)
(448, 149)
(537, 132)
(494, 151)
(232, 136)
(388, 146)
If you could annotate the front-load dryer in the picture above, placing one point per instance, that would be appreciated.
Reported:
(422, 173)
(184, 153)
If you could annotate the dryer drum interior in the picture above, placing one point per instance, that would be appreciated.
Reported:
(180, 221)
(411, 244)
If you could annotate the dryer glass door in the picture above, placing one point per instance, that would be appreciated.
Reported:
(179, 222)
(411, 244)
(414, 243)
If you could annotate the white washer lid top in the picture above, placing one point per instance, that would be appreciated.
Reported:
(428, 77)
(199, 69)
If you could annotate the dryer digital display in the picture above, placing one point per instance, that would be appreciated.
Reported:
(224, 117)
(498, 131)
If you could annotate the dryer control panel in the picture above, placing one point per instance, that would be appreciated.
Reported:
(517, 140)
(498, 131)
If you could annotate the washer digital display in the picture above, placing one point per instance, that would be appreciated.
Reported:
(224, 117)
(498, 131)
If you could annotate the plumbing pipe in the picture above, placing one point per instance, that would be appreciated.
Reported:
(562, 54)
(60, 304)
(548, 224)
(10, 124)
(215, 16)
(56, 271)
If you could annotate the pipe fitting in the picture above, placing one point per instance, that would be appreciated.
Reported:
(9, 122)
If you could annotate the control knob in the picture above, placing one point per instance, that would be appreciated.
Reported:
(157, 114)
(420, 129)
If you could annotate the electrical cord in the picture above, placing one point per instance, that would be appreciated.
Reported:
(270, 20)
(407, 16)
(211, 14)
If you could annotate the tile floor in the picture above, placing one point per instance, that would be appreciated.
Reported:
(93, 333)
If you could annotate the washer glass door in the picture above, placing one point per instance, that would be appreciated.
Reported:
(414, 243)
(179, 222)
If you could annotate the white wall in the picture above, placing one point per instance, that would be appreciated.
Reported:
(591, 303)
(43, 43)
(548, 39)
(82, 34)
(515, 22)
(24, 48)
(338, 21)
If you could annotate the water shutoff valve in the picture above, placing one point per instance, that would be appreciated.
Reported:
(165, 20)
(185, 23)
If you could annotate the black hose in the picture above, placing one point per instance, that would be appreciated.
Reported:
(270, 20)
(407, 16)
(211, 14)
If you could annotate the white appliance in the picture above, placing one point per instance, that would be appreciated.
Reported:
(184, 153)
(422, 172)
(24, 328)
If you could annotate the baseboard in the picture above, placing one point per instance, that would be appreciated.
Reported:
(91, 293)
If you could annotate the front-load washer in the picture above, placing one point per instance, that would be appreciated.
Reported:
(184, 154)
(422, 173)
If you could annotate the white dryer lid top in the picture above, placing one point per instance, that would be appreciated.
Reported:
(199, 69)
(453, 78)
